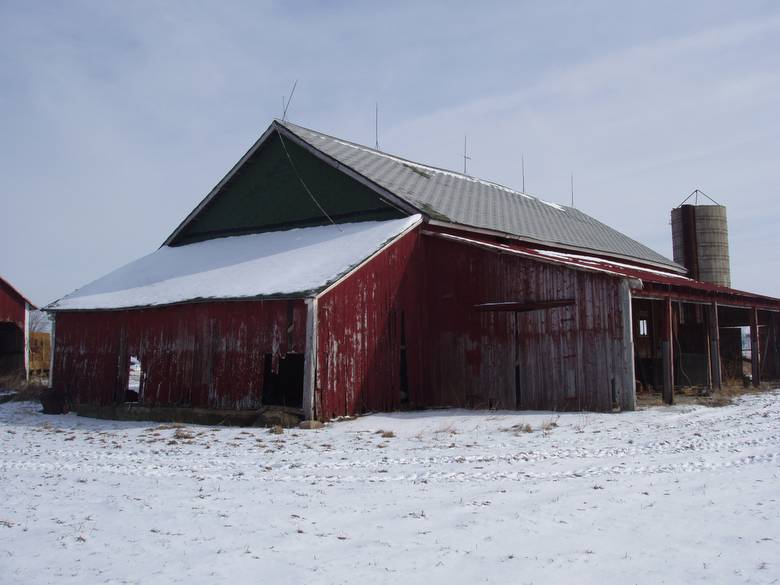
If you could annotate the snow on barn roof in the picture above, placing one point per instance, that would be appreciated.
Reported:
(456, 198)
(297, 262)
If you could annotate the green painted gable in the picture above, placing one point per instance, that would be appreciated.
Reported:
(266, 195)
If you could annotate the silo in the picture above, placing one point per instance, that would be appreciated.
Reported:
(700, 241)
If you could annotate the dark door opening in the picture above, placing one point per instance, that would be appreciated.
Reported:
(285, 387)
(11, 349)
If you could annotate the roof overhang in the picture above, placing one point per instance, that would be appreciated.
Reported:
(676, 268)
(645, 282)
(291, 264)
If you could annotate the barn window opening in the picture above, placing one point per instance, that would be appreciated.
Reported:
(134, 380)
(285, 386)
(643, 328)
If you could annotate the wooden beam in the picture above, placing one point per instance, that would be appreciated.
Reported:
(772, 350)
(755, 348)
(310, 361)
(724, 299)
(714, 339)
(627, 396)
(667, 352)
(27, 341)
(523, 307)
(53, 348)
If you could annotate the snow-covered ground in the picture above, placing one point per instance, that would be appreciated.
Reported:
(666, 495)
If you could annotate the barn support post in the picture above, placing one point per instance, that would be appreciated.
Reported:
(27, 341)
(628, 392)
(667, 351)
(53, 348)
(120, 389)
(772, 352)
(310, 360)
(714, 341)
(755, 348)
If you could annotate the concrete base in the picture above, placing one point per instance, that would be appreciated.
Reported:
(264, 417)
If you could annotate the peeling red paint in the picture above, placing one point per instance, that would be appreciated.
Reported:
(359, 333)
(564, 357)
(12, 305)
(423, 323)
(207, 355)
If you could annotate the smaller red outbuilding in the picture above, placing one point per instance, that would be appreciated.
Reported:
(14, 331)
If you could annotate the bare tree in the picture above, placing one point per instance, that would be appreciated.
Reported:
(39, 321)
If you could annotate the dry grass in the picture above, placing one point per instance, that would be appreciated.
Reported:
(23, 390)
(183, 434)
(171, 425)
(718, 398)
(29, 392)
(520, 428)
(447, 429)
(276, 430)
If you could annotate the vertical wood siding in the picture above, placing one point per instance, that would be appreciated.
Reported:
(11, 306)
(564, 358)
(212, 354)
(207, 355)
(359, 334)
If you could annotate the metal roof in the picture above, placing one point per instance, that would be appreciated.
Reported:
(455, 198)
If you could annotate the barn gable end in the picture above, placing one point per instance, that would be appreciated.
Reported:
(282, 185)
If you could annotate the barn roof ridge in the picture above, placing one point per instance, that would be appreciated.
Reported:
(460, 200)
(425, 166)
(447, 197)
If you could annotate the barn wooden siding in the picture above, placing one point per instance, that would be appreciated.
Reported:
(575, 357)
(208, 355)
(362, 322)
(12, 306)
(565, 358)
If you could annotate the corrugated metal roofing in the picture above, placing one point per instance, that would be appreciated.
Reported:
(460, 199)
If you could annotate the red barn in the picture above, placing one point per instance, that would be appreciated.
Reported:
(14, 331)
(331, 279)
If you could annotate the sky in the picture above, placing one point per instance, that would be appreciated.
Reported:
(117, 118)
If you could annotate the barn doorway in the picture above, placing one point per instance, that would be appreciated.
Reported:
(11, 350)
(285, 386)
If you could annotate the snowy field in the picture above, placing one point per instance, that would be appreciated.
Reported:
(666, 495)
